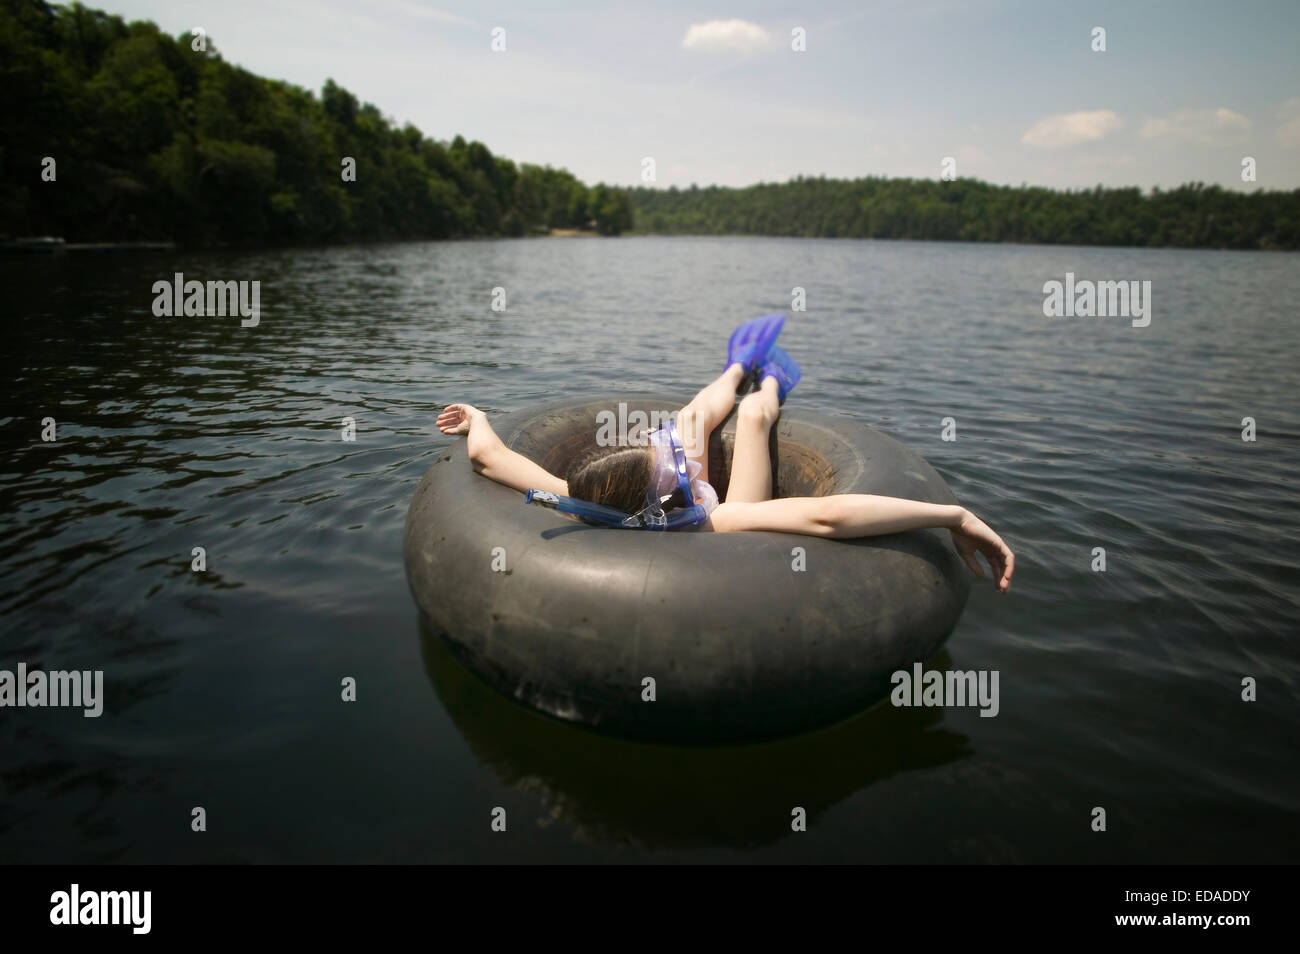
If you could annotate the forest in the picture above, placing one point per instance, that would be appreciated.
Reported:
(113, 131)
(967, 210)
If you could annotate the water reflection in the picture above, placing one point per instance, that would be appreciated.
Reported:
(653, 796)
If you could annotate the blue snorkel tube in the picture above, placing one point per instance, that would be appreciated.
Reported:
(650, 517)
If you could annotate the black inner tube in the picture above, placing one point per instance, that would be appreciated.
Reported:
(744, 646)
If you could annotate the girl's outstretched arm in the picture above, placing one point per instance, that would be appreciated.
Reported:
(491, 457)
(869, 515)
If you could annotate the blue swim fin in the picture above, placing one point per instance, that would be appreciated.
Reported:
(781, 366)
(750, 342)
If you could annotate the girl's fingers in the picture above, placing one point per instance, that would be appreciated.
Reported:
(452, 419)
(1001, 560)
(1006, 563)
(997, 565)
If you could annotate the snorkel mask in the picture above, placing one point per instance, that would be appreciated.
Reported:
(670, 498)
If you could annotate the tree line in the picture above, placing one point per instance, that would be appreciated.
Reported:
(153, 136)
(1190, 216)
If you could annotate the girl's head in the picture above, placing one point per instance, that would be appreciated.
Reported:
(613, 476)
(653, 469)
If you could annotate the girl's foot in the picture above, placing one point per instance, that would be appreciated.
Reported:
(763, 404)
(750, 343)
(782, 369)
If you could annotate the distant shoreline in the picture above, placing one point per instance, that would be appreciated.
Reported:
(14, 251)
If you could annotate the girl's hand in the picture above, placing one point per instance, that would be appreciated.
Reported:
(972, 536)
(456, 418)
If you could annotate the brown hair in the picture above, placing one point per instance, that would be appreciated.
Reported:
(613, 476)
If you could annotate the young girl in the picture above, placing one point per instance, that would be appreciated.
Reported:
(636, 484)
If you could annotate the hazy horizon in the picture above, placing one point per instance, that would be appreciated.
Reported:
(1011, 90)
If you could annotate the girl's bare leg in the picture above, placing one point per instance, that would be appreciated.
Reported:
(707, 410)
(751, 464)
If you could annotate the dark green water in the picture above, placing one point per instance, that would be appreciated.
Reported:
(1118, 689)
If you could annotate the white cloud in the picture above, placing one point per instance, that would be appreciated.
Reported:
(1196, 125)
(725, 35)
(1288, 134)
(1070, 129)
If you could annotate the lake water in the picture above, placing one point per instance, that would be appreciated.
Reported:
(1119, 689)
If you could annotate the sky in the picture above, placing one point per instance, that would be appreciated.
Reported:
(714, 92)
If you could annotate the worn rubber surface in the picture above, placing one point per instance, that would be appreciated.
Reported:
(742, 647)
